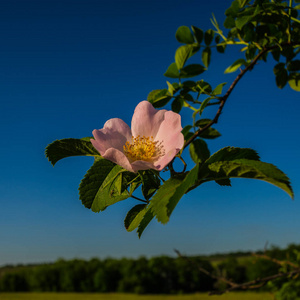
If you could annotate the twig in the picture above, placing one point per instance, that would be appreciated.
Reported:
(257, 283)
(230, 89)
(250, 285)
(279, 262)
(232, 284)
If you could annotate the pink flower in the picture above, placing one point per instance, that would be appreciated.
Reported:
(152, 142)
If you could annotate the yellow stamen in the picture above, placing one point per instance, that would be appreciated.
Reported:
(143, 148)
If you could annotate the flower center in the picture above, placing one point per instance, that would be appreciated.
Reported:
(143, 148)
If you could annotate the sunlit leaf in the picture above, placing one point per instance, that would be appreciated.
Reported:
(109, 191)
(236, 65)
(245, 168)
(294, 81)
(204, 104)
(172, 71)
(206, 54)
(134, 217)
(169, 194)
(182, 54)
(147, 218)
(218, 89)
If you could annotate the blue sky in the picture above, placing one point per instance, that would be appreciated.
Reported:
(67, 67)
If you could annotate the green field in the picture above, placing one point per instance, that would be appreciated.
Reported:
(70, 296)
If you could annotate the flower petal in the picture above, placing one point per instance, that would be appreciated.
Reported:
(120, 126)
(114, 135)
(119, 158)
(146, 120)
(162, 163)
(142, 165)
(170, 132)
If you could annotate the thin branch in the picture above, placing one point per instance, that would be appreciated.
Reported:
(279, 262)
(257, 283)
(230, 89)
(232, 284)
(250, 285)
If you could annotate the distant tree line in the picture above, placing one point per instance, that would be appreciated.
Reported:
(157, 275)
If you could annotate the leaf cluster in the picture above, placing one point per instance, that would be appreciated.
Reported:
(258, 28)
(106, 183)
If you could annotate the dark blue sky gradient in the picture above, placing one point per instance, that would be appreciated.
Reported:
(67, 67)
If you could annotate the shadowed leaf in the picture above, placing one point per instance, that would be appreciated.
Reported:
(60, 149)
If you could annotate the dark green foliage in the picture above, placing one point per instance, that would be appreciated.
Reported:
(231, 269)
(69, 147)
(158, 275)
(161, 97)
(199, 151)
(92, 181)
(184, 35)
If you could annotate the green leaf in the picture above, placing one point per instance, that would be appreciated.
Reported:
(110, 191)
(233, 153)
(169, 194)
(186, 130)
(281, 75)
(206, 55)
(208, 36)
(233, 9)
(192, 70)
(241, 21)
(199, 151)
(198, 34)
(276, 54)
(218, 89)
(294, 81)
(156, 94)
(204, 104)
(177, 104)
(294, 65)
(203, 87)
(135, 216)
(184, 35)
(93, 179)
(229, 22)
(210, 133)
(236, 65)
(150, 183)
(159, 98)
(145, 221)
(60, 149)
(182, 54)
(253, 169)
(171, 88)
(221, 48)
(202, 122)
(172, 71)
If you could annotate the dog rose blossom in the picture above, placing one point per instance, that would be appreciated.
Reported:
(152, 142)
